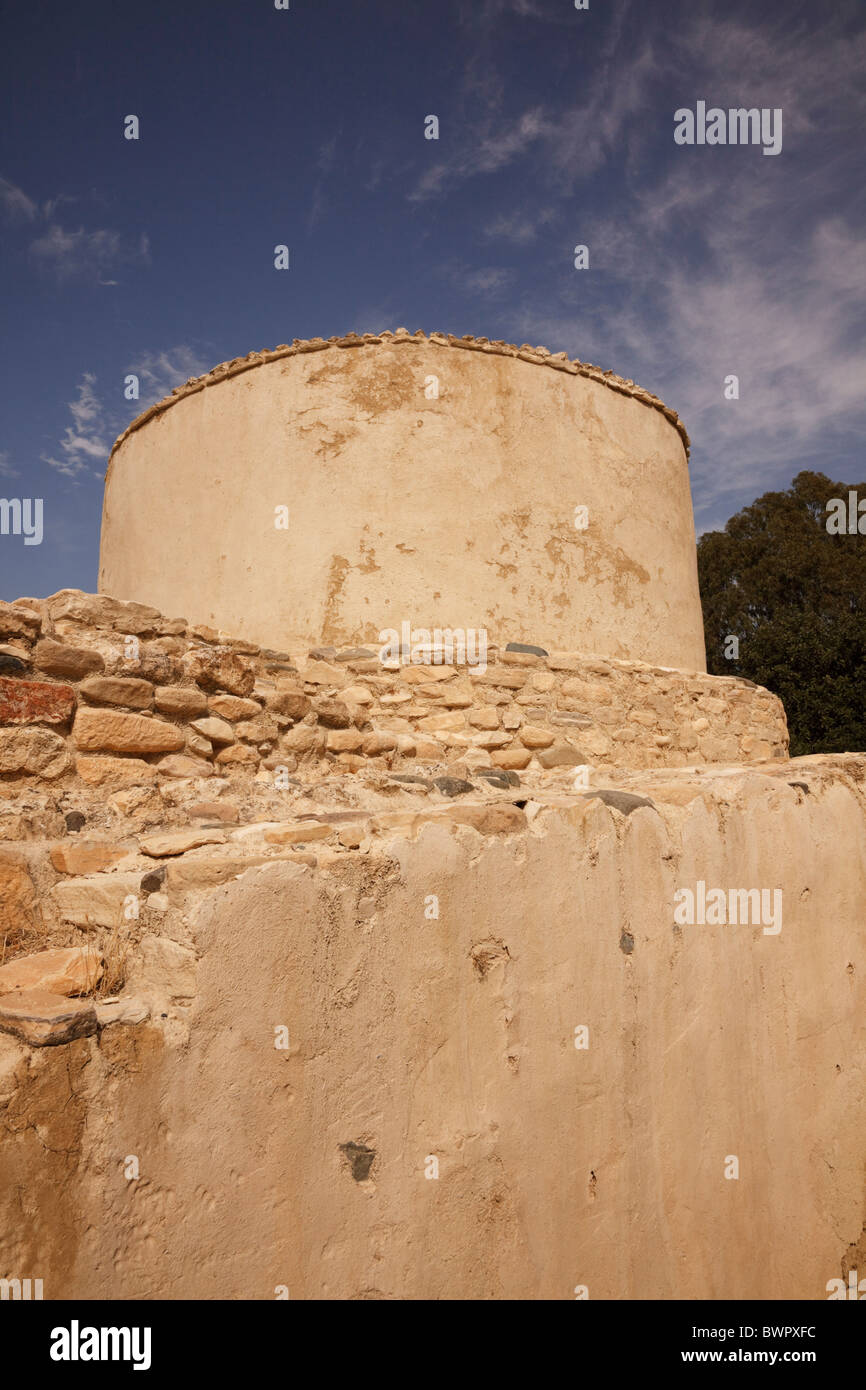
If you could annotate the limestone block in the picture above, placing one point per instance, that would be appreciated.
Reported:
(43, 1019)
(515, 758)
(561, 755)
(113, 773)
(220, 670)
(18, 909)
(175, 842)
(118, 690)
(34, 752)
(71, 663)
(64, 971)
(294, 704)
(238, 753)
(484, 717)
(344, 740)
(97, 730)
(99, 900)
(233, 708)
(216, 730)
(85, 856)
(435, 722)
(183, 701)
(300, 832)
(531, 736)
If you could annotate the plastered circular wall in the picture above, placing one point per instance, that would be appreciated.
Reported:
(325, 492)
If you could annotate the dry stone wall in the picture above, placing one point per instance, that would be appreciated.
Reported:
(143, 760)
(168, 898)
(113, 694)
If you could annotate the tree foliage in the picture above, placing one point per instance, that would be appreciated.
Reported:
(795, 597)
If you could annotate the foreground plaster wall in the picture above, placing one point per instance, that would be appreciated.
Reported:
(453, 1037)
(453, 512)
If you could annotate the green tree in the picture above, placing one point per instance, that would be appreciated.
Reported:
(795, 596)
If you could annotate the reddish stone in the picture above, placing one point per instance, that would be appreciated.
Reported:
(34, 702)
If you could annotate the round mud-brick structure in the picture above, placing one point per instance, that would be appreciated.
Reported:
(328, 491)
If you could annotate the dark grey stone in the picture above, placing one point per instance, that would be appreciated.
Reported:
(522, 647)
(500, 776)
(75, 820)
(333, 714)
(11, 665)
(356, 654)
(152, 881)
(452, 786)
(360, 1160)
(625, 802)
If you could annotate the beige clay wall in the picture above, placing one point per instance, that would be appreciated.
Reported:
(453, 1037)
(451, 512)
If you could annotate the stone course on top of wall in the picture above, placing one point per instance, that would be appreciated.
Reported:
(540, 355)
(112, 693)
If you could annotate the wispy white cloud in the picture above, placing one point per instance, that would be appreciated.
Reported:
(6, 469)
(520, 228)
(86, 443)
(490, 281)
(482, 152)
(86, 439)
(705, 262)
(378, 316)
(565, 145)
(83, 255)
(324, 166)
(15, 203)
(785, 317)
(480, 14)
(160, 372)
(66, 255)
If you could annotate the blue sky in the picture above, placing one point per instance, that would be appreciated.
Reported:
(306, 127)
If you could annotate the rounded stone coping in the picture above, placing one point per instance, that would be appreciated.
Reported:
(526, 353)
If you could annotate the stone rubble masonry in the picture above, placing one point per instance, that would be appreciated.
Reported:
(117, 690)
(76, 970)
(20, 916)
(35, 702)
(113, 773)
(96, 900)
(230, 710)
(57, 659)
(85, 857)
(32, 752)
(97, 730)
(166, 898)
(44, 1019)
